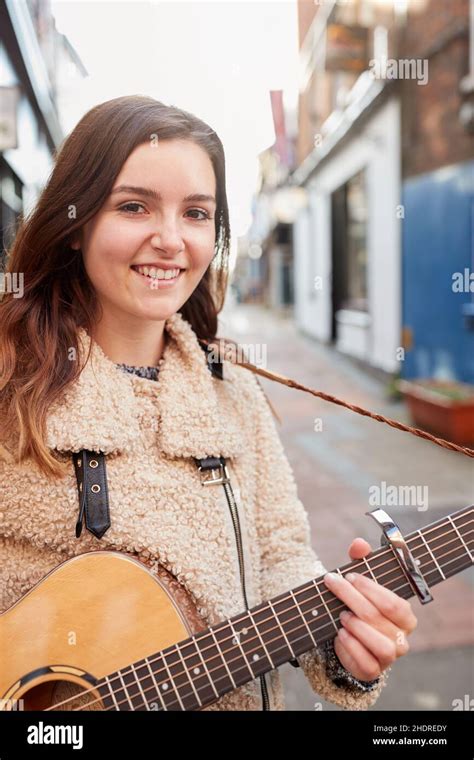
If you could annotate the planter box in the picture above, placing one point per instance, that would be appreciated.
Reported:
(445, 409)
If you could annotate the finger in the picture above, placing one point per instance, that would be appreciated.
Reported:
(389, 604)
(386, 648)
(353, 598)
(355, 657)
(359, 548)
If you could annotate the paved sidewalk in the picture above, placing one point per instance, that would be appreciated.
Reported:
(335, 467)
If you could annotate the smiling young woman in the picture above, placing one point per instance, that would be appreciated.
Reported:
(104, 364)
(136, 183)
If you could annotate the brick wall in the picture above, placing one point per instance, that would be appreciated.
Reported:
(432, 134)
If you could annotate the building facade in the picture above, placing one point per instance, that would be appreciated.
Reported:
(385, 156)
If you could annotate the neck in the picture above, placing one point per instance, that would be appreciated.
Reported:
(137, 343)
(196, 672)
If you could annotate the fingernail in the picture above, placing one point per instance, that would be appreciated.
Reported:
(332, 577)
(345, 615)
(351, 577)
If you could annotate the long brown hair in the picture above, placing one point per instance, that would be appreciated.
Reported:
(39, 329)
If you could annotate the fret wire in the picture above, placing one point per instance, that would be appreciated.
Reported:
(236, 641)
(391, 571)
(268, 621)
(143, 677)
(436, 546)
(180, 677)
(211, 682)
(277, 618)
(434, 558)
(309, 603)
(436, 526)
(367, 564)
(125, 689)
(287, 647)
(191, 681)
(140, 687)
(133, 688)
(112, 692)
(238, 664)
(264, 620)
(201, 676)
(155, 683)
(163, 657)
(161, 686)
(97, 700)
(303, 618)
(223, 658)
(282, 609)
(256, 628)
(460, 537)
(312, 621)
(324, 602)
(438, 534)
(377, 555)
(160, 678)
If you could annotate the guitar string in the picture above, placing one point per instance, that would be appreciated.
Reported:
(361, 564)
(210, 671)
(129, 669)
(414, 539)
(325, 590)
(315, 631)
(229, 662)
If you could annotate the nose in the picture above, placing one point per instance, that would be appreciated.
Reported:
(167, 237)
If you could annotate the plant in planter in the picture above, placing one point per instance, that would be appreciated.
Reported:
(392, 390)
(444, 408)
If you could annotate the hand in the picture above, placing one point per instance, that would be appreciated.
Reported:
(374, 634)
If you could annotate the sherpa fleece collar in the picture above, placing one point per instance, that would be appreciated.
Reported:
(101, 410)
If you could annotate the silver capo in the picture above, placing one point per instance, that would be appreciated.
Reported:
(392, 536)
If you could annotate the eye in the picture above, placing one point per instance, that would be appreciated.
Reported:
(200, 211)
(132, 203)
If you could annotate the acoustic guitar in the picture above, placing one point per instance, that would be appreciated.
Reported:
(104, 631)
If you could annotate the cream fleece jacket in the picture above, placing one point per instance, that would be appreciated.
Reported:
(159, 511)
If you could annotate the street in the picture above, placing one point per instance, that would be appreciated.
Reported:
(335, 462)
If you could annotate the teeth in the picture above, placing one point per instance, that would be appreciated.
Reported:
(158, 274)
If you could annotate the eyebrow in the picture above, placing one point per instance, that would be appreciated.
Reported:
(147, 192)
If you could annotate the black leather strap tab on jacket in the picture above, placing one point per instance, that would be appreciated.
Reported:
(93, 493)
(91, 475)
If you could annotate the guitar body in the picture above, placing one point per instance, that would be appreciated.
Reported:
(92, 615)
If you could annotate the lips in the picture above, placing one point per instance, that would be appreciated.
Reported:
(156, 282)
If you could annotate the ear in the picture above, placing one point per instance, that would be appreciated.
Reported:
(75, 243)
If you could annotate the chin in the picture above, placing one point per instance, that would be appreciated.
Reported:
(158, 315)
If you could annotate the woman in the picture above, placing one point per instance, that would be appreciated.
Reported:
(105, 355)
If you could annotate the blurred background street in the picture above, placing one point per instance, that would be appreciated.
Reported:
(334, 469)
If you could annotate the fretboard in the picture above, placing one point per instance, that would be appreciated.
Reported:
(197, 671)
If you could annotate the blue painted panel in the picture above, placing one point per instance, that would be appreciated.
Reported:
(438, 240)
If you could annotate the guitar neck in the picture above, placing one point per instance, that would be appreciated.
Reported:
(197, 671)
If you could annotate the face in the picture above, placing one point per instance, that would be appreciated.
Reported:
(137, 236)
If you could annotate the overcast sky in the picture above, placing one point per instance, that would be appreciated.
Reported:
(218, 59)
